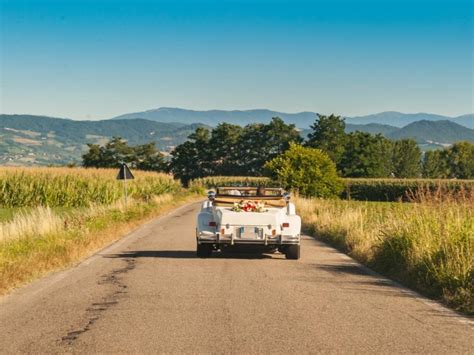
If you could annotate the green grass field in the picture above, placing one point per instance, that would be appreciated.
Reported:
(6, 214)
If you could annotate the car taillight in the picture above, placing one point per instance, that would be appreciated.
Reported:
(212, 224)
(285, 225)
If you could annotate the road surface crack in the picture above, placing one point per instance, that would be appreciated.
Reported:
(96, 309)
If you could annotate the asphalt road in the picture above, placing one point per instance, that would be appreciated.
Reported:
(148, 293)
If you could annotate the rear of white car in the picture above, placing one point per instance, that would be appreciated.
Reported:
(220, 226)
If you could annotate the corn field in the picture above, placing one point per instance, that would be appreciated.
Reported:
(215, 181)
(76, 187)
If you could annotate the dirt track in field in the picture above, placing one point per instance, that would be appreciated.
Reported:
(149, 293)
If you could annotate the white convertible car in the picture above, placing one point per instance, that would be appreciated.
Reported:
(248, 216)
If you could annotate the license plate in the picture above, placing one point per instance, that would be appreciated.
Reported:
(248, 232)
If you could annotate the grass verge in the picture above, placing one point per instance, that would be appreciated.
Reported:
(426, 245)
(43, 240)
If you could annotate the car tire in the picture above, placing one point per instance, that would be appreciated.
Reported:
(204, 250)
(292, 252)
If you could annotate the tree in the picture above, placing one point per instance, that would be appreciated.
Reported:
(223, 149)
(461, 160)
(262, 142)
(435, 164)
(117, 151)
(406, 159)
(278, 136)
(190, 160)
(366, 155)
(250, 149)
(308, 170)
(147, 158)
(93, 157)
(328, 134)
(456, 161)
(111, 155)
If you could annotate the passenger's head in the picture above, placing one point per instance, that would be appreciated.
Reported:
(261, 191)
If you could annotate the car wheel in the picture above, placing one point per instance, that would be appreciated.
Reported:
(292, 252)
(204, 250)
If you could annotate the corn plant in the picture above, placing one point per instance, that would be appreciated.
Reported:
(76, 187)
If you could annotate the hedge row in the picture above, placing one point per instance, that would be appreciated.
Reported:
(404, 189)
(362, 189)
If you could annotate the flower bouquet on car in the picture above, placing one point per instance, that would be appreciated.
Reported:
(249, 206)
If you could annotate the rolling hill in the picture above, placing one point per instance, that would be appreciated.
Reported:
(300, 119)
(373, 128)
(396, 119)
(40, 140)
(443, 132)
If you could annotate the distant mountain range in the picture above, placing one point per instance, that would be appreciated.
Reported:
(428, 134)
(40, 140)
(400, 120)
(300, 119)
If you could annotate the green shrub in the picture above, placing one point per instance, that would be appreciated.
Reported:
(308, 170)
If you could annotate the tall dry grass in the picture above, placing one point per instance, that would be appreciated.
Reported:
(31, 224)
(70, 213)
(427, 244)
(36, 242)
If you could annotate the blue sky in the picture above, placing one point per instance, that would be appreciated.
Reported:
(97, 59)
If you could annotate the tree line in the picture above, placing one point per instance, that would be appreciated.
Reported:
(117, 151)
(233, 150)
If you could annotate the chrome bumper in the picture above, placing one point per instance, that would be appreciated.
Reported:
(216, 238)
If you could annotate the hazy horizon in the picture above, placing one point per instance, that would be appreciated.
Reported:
(230, 110)
(85, 59)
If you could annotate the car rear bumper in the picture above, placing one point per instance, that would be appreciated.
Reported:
(212, 238)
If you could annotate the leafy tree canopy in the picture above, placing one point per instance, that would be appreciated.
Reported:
(406, 159)
(460, 159)
(366, 155)
(456, 161)
(117, 151)
(232, 150)
(328, 134)
(435, 164)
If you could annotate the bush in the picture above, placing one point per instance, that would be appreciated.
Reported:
(308, 170)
